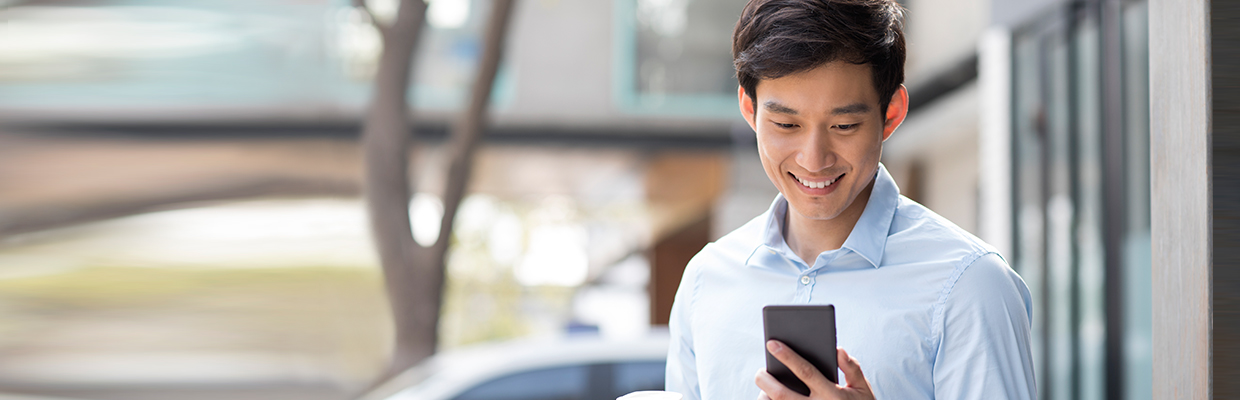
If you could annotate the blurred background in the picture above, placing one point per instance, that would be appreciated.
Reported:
(180, 182)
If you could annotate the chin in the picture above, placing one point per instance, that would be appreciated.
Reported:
(821, 212)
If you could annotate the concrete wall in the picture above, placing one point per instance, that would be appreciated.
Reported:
(561, 56)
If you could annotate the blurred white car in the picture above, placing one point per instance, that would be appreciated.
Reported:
(569, 368)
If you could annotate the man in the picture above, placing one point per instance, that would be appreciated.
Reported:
(931, 311)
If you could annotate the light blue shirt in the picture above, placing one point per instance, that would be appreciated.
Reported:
(927, 309)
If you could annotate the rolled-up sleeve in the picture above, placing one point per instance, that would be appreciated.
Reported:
(682, 374)
(984, 341)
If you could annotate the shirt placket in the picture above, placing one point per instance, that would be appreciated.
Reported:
(809, 277)
(805, 287)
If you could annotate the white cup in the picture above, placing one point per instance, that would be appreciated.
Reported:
(651, 395)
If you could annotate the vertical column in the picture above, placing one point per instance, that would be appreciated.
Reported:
(1225, 164)
(1180, 197)
(995, 216)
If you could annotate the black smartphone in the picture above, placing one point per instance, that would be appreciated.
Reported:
(809, 330)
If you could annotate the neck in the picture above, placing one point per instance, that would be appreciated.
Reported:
(810, 237)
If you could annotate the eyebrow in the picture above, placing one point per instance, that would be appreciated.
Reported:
(854, 108)
(777, 108)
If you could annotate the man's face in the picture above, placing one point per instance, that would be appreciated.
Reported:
(820, 134)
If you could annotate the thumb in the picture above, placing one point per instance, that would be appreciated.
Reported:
(852, 370)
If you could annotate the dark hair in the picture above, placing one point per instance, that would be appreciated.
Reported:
(776, 38)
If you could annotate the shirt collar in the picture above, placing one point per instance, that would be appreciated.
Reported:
(868, 238)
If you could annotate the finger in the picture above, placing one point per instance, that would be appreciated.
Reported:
(772, 388)
(763, 396)
(812, 377)
(852, 370)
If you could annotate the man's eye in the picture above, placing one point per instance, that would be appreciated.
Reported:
(785, 126)
(846, 127)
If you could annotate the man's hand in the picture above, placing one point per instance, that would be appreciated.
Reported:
(819, 387)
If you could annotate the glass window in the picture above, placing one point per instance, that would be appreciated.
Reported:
(675, 56)
(563, 383)
(1088, 186)
(1060, 177)
(684, 47)
(1138, 321)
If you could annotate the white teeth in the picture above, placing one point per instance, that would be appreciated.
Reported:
(816, 185)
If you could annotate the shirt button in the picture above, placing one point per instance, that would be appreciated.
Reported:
(805, 280)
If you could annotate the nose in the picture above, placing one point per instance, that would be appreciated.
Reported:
(816, 152)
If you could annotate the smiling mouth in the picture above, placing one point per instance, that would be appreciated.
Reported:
(815, 184)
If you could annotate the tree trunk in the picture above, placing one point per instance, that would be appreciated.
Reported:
(386, 138)
(414, 275)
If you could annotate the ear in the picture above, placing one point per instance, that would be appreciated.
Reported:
(897, 110)
(747, 110)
